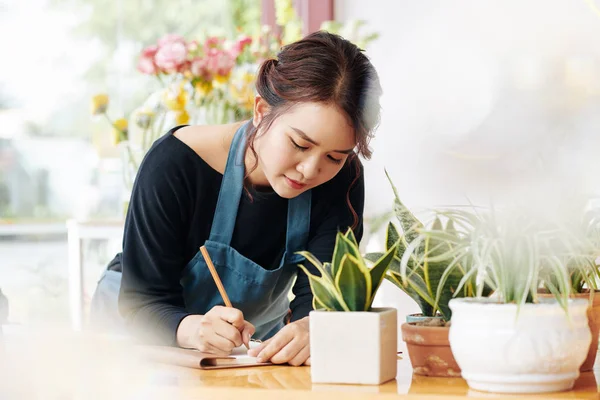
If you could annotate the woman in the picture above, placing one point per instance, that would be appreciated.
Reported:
(254, 193)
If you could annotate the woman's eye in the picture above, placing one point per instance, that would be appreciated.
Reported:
(296, 145)
(335, 160)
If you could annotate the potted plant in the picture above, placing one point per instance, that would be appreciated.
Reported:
(423, 269)
(515, 341)
(350, 342)
(584, 273)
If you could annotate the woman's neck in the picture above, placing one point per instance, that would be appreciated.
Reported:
(257, 177)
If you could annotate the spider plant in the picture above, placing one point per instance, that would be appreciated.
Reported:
(508, 250)
(580, 253)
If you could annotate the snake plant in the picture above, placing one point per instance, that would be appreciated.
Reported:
(346, 283)
(424, 265)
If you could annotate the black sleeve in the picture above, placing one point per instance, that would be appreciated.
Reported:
(151, 297)
(322, 242)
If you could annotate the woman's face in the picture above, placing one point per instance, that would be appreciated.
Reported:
(303, 148)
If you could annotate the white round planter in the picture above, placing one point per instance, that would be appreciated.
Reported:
(540, 350)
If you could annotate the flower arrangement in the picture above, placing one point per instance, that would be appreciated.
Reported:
(207, 81)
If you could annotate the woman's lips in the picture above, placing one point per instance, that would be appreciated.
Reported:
(294, 184)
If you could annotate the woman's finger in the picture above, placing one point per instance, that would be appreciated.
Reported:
(300, 356)
(287, 352)
(229, 314)
(247, 333)
(227, 336)
(253, 352)
(207, 347)
(276, 343)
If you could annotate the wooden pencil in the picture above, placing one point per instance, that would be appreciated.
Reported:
(215, 275)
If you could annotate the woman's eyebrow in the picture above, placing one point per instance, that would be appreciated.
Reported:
(308, 139)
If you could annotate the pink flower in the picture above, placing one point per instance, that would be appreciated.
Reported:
(213, 43)
(146, 63)
(220, 63)
(170, 38)
(171, 56)
(193, 45)
(240, 45)
(199, 68)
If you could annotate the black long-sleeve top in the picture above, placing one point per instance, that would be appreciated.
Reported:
(170, 216)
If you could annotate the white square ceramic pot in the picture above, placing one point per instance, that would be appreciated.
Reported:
(356, 347)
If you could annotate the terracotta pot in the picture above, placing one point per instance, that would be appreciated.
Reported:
(593, 314)
(429, 350)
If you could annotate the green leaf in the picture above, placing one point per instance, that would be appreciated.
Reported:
(340, 249)
(325, 293)
(317, 305)
(325, 273)
(328, 269)
(394, 264)
(352, 249)
(391, 237)
(373, 257)
(378, 272)
(425, 307)
(353, 281)
(350, 236)
(447, 288)
(410, 224)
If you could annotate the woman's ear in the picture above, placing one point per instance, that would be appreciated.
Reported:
(260, 109)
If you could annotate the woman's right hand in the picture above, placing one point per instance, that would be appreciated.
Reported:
(217, 332)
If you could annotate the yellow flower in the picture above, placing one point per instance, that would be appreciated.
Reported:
(176, 100)
(242, 90)
(182, 117)
(202, 89)
(99, 104)
(119, 133)
(220, 79)
(143, 118)
(284, 12)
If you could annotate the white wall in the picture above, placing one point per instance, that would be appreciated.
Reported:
(482, 99)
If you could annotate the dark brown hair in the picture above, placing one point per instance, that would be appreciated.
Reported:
(323, 68)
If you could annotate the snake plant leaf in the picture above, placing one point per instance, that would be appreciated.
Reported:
(317, 305)
(325, 293)
(378, 272)
(339, 251)
(344, 244)
(325, 273)
(392, 237)
(328, 269)
(373, 257)
(447, 288)
(353, 281)
(434, 272)
(352, 249)
(350, 236)
(425, 307)
(409, 223)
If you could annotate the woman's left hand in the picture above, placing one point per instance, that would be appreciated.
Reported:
(290, 345)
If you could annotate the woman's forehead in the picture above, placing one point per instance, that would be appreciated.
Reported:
(325, 124)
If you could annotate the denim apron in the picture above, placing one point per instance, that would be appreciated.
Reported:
(262, 295)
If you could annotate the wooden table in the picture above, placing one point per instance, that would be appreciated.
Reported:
(58, 366)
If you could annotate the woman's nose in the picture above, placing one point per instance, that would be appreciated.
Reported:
(309, 168)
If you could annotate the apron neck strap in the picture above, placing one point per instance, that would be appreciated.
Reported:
(231, 189)
(298, 223)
